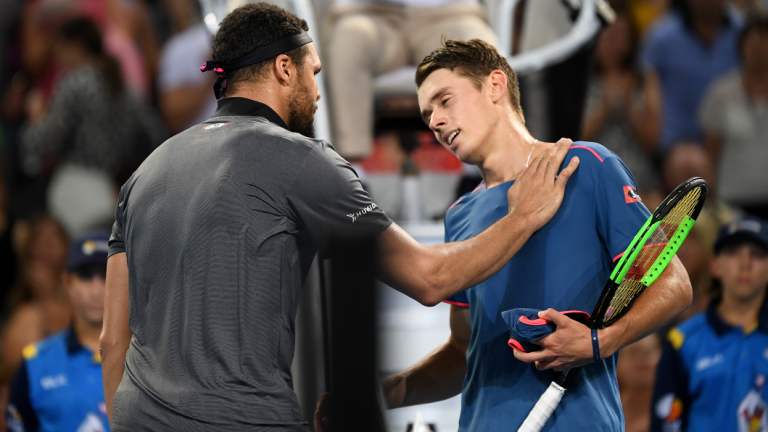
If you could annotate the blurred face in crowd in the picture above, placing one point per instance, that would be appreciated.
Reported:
(86, 293)
(47, 243)
(686, 160)
(707, 9)
(743, 270)
(614, 43)
(460, 114)
(303, 101)
(69, 55)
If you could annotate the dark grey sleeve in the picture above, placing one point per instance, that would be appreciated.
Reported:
(328, 199)
(116, 242)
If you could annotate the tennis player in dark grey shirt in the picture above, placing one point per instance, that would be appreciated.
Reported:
(215, 231)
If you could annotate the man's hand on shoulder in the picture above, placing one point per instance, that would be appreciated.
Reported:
(538, 192)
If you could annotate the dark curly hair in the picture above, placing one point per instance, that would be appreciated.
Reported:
(252, 26)
(474, 59)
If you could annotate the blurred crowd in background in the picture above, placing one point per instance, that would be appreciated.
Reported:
(677, 88)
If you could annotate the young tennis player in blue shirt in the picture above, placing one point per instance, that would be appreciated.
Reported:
(469, 97)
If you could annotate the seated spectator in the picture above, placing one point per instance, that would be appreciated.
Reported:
(689, 159)
(38, 305)
(734, 116)
(711, 376)
(186, 95)
(635, 370)
(369, 38)
(614, 115)
(693, 45)
(58, 386)
(94, 133)
(686, 160)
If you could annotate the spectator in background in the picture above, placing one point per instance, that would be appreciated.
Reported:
(684, 52)
(58, 386)
(689, 159)
(93, 135)
(186, 97)
(635, 370)
(734, 116)
(686, 160)
(369, 38)
(614, 114)
(713, 368)
(38, 305)
(130, 37)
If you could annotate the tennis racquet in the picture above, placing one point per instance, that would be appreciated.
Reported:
(642, 262)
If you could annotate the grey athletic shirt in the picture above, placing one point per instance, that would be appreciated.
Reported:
(220, 224)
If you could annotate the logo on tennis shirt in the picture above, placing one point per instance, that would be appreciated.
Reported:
(630, 195)
(362, 212)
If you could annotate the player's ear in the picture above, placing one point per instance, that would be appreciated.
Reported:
(283, 69)
(497, 85)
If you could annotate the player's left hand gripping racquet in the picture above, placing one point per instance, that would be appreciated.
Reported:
(644, 260)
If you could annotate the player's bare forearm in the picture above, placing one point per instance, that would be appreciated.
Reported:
(115, 333)
(431, 274)
(660, 302)
(113, 366)
(438, 376)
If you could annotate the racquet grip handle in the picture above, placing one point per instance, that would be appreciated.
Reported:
(543, 409)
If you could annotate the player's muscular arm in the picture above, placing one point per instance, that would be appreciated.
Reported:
(440, 375)
(656, 306)
(571, 346)
(430, 274)
(115, 333)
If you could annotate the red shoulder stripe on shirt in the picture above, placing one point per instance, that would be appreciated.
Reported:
(457, 303)
(591, 150)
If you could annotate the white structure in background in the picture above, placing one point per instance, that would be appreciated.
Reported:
(408, 332)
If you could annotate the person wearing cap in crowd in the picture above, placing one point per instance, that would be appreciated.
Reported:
(58, 386)
(712, 372)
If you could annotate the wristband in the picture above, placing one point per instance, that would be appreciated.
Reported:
(595, 346)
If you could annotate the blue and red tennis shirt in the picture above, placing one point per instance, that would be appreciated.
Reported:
(564, 265)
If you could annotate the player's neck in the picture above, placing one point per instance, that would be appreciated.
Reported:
(266, 94)
(740, 312)
(87, 334)
(510, 149)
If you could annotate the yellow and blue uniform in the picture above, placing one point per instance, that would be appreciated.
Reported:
(711, 376)
(564, 265)
(58, 388)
